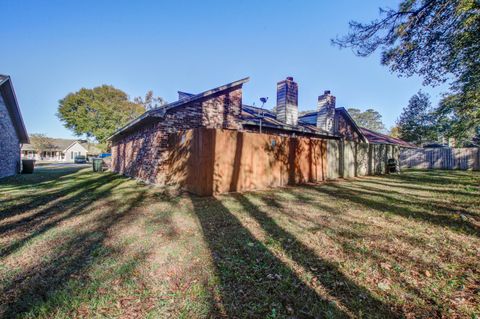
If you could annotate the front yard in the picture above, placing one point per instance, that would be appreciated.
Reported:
(78, 244)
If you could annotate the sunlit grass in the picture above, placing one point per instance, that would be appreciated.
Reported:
(80, 244)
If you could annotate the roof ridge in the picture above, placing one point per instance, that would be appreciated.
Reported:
(159, 112)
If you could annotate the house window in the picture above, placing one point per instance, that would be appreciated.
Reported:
(71, 155)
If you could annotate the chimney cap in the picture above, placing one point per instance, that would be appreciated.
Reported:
(290, 78)
(326, 92)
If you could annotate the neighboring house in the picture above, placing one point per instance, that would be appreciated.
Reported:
(141, 148)
(12, 128)
(92, 149)
(61, 150)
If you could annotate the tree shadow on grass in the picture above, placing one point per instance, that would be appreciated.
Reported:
(388, 183)
(254, 283)
(355, 299)
(52, 186)
(387, 203)
(435, 177)
(43, 177)
(49, 217)
(54, 279)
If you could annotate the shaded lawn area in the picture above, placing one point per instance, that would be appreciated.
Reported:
(78, 244)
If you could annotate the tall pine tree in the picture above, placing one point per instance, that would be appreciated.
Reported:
(416, 123)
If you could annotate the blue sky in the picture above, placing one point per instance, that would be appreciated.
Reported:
(51, 48)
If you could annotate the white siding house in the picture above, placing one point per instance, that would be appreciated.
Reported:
(61, 150)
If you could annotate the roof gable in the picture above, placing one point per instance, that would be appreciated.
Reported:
(352, 122)
(160, 112)
(10, 99)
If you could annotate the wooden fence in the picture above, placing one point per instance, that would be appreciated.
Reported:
(213, 161)
(441, 158)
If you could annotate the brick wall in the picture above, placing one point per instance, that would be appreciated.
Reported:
(9, 144)
(345, 129)
(143, 153)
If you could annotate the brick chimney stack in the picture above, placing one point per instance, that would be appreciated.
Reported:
(326, 112)
(287, 101)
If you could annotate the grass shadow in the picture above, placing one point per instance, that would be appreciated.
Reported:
(353, 297)
(254, 283)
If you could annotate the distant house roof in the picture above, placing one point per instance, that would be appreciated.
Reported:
(10, 99)
(185, 98)
(378, 138)
(252, 115)
(57, 144)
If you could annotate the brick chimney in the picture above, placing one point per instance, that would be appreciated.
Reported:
(287, 101)
(326, 112)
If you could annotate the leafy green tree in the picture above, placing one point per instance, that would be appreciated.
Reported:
(416, 123)
(97, 112)
(370, 119)
(438, 40)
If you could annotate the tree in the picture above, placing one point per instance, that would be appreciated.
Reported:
(369, 119)
(41, 142)
(438, 40)
(416, 123)
(150, 102)
(394, 131)
(97, 112)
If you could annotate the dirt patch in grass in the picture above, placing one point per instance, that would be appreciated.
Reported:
(74, 243)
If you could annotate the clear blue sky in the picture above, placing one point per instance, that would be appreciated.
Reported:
(51, 48)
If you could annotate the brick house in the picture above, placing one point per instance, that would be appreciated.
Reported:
(149, 148)
(12, 127)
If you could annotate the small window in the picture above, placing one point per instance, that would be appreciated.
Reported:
(71, 155)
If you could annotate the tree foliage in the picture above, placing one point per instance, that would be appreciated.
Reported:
(394, 131)
(97, 112)
(416, 123)
(438, 40)
(41, 142)
(150, 102)
(370, 119)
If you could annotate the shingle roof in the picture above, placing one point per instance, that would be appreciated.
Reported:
(369, 135)
(10, 99)
(311, 118)
(160, 112)
(252, 115)
(58, 144)
(378, 138)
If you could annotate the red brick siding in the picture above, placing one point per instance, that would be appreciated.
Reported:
(346, 129)
(143, 152)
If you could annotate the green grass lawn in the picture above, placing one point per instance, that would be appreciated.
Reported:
(78, 244)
